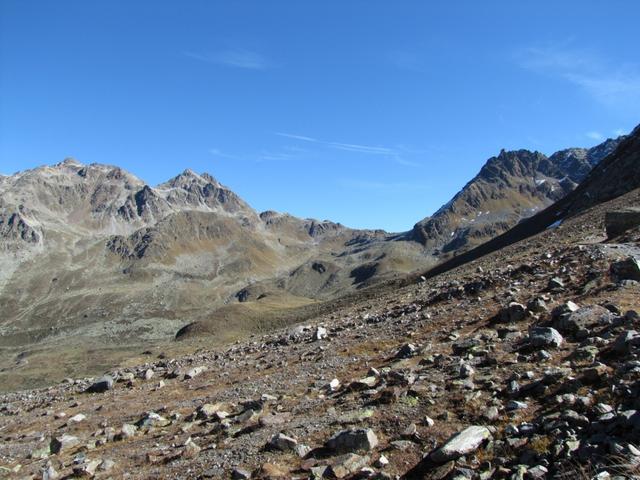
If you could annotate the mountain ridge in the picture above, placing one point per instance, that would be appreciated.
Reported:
(508, 188)
(93, 253)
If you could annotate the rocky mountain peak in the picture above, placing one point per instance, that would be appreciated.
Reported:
(70, 162)
(510, 187)
(606, 148)
(187, 179)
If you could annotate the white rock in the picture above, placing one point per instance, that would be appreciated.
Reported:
(80, 417)
(194, 372)
(462, 443)
(320, 333)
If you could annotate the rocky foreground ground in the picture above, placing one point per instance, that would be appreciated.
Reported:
(521, 365)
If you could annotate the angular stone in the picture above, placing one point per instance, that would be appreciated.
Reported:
(555, 284)
(625, 341)
(106, 465)
(348, 464)
(516, 405)
(283, 443)
(407, 350)
(466, 371)
(273, 419)
(152, 419)
(627, 269)
(582, 318)
(491, 413)
(127, 431)
(462, 443)
(537, 305)
(87, 469)
(208, 410)
(101, 385)
(619, 221)
(63, 443)
(80, 417)
(545, 337)
(333, 385)
(515, 312)
(320, 333)
(566, 307)
(364, 383)
(240, 474)
(353, 440)
(194, 372)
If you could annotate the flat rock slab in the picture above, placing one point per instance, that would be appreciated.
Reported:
(462, 443)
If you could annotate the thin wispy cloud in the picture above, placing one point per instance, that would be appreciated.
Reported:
(610, 85)
(380, 186)
(396, 154)
(349, 147)
(619, 132)
(298, 137)
(216, 152)
(238, 58)
(406, 163)
(286, 153)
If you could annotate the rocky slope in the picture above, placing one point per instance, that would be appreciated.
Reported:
(510, 187)
(523, 364)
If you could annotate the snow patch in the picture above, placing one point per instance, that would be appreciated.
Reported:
(555, 224)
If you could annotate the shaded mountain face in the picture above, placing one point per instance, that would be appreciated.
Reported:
(510, 187)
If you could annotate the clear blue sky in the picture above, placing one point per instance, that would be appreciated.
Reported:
(372, 113)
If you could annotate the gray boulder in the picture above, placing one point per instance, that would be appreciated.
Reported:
(462, 443)
(283, 443)
(63, 442)
(545, 337)
(627, 269)
(619, 221)
(101, 385)
(515, 312)
(353, 440)
(583, 318)
(625, 341)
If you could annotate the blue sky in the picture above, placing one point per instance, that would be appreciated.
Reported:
(371, 113)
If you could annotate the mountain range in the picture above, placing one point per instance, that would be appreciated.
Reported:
(514, 359)
(93, 256)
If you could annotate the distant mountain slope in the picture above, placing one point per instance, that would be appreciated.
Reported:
(615, 175)
(91, 251)
(510, 187)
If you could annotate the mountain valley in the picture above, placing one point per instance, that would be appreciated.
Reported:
(516, 359)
